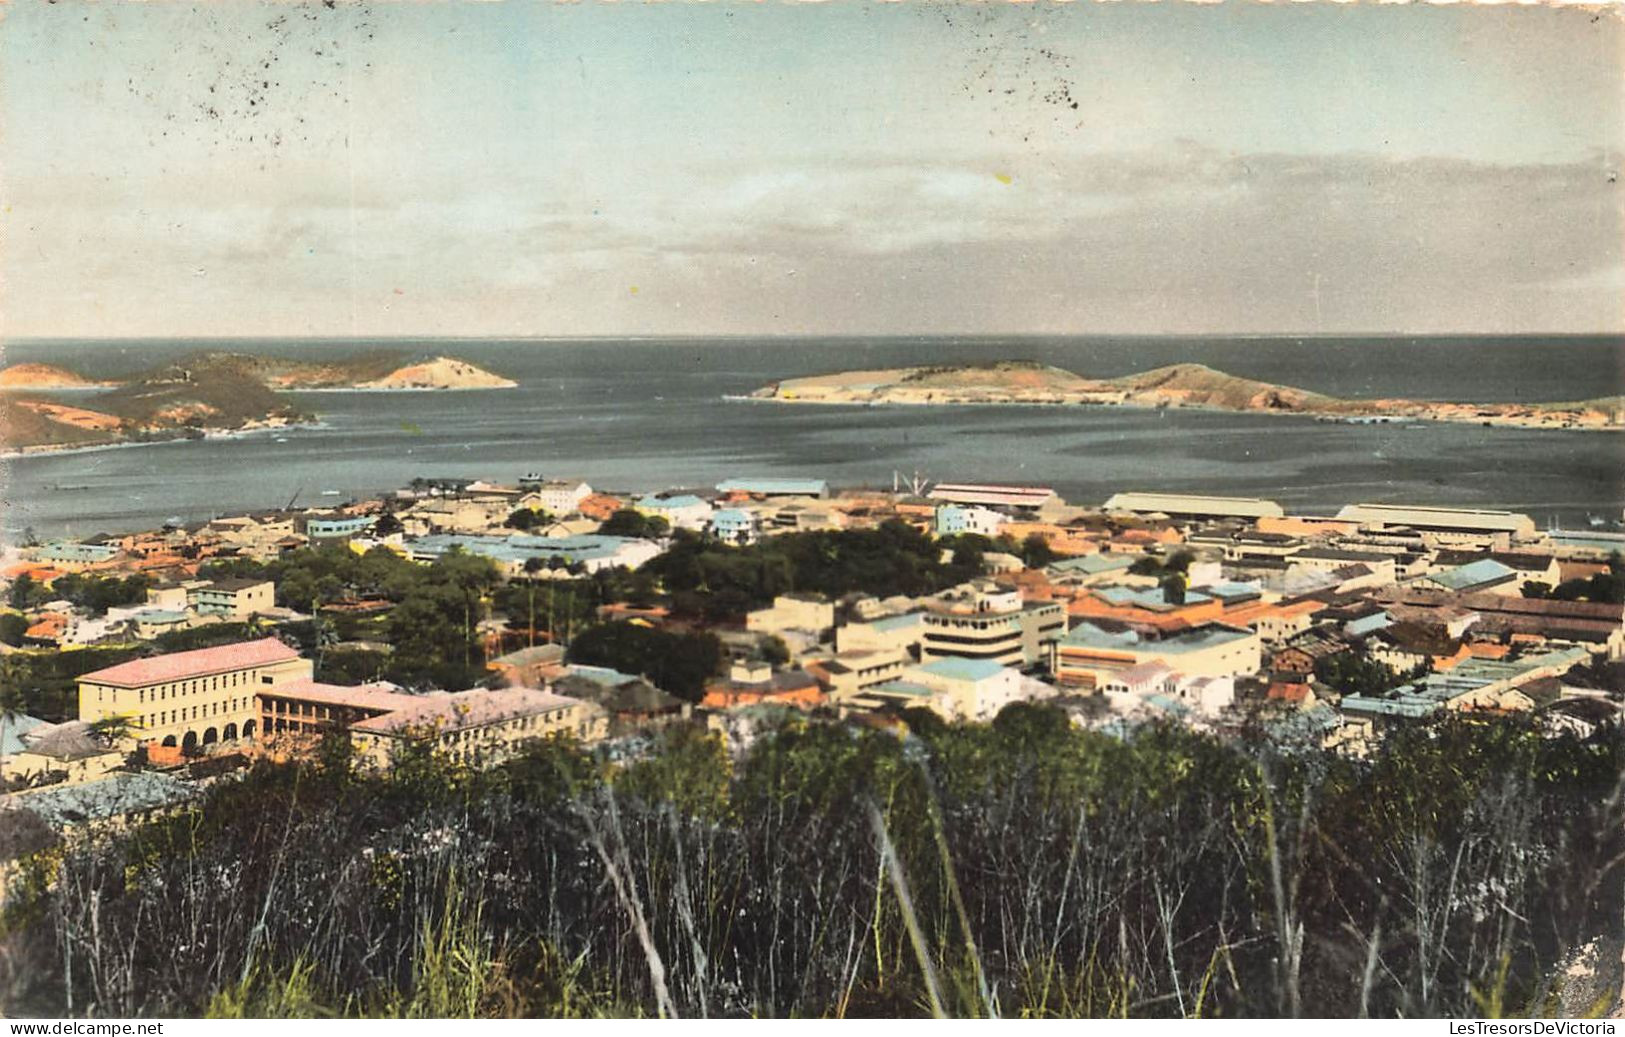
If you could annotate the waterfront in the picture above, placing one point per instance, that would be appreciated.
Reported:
(641, 414)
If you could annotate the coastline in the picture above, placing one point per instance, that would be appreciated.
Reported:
(1323, 417)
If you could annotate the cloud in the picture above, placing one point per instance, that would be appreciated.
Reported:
(1184, 238)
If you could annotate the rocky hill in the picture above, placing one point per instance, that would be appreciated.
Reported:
(201, 393)
(44, 376)
(1179, 385)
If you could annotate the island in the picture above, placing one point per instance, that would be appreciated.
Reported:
(1179, 385)
(48, 407)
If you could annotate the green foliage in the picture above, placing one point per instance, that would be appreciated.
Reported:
(720, 581)
(526, 519)
(631, 523)
(46, 681)
(27, 592)
(12, 628)
(1355, 673)
(100, 593)
(1024, 867)
(678, 663)
(1035, 551)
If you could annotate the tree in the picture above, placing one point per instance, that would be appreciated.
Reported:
(631, 523)
(12, 628)
(23, 591)
(1173, 588)
(1036, 552)
(387, 525)
(678, 663)
(527, 519)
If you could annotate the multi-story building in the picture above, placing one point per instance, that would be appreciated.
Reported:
(981, 620)
(736, 526)
(953, 519)
(189, 699)
(1090, 655)
(479, 728)
(233, 599)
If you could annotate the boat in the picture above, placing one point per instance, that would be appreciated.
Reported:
(331, 493)
(531, 477)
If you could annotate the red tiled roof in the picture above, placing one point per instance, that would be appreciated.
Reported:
(199, 663)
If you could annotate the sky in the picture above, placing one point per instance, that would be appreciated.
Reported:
(530, 168)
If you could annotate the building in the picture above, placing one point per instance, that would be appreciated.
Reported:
(1483, 576)
(682, 511)
(1090, 655)
(235, 599)
(191, 699)
(70, 557)
(793, 612)
(1185, 506)
(556, 496)
(736, 526)
(1446, 526)
(1020, 498)
(981, 620)
(1598, 626)
(337, 527)
(902, 633)
(768, 488)
(478, 728)
(954, 519)
(848, 674)
(751, 684)
(592, 552)
(1332, 560)
(969, 689)
(308, 708)
(631, 703)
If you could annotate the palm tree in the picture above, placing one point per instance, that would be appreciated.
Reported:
(533, 565)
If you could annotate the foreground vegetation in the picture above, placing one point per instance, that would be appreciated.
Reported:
(1019, 868)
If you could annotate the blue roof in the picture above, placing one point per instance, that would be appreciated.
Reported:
(1093, 564)
(901, 688)
(1485, 570)
(903, 622)
(1229, 591)
(67, 551)
(1399, 706)
(1367, 624)
(789, 487)
(11, 740)
(159, 616)
(958, 669)
(107, 797)
(686, 500)
(609, 678)
(732, 517)
(1144, 597)
(1087, 635)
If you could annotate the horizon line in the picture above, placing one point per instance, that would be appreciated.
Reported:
(734, 337)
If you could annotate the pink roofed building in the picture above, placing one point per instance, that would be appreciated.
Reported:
(192, 699)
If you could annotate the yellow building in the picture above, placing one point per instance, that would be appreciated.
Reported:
(479, 728)
(188, 699)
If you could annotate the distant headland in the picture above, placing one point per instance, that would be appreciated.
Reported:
(46, 407)
(1179, 385)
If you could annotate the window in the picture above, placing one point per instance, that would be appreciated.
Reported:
(266, 680)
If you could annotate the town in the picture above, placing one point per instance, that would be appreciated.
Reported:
(471, 618)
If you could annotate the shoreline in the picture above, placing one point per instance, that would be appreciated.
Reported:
(1321, 417)
(57, 450)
